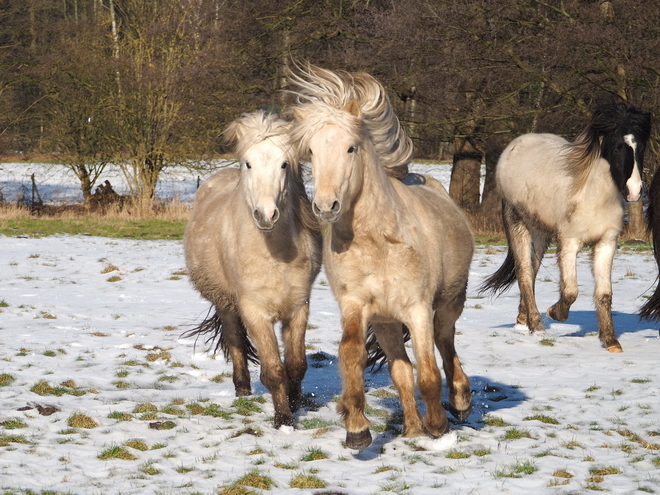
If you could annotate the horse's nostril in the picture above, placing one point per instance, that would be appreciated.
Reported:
(335, 207)
(316, 209)
(276, 215)
(256, 215)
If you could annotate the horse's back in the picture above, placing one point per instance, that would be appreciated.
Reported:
(445, 230)
(533, 177)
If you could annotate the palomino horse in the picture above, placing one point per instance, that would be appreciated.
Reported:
(253, 249)
(393, 253)
(651, 309)
(575, 192)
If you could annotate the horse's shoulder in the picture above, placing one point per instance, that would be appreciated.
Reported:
(219, 183)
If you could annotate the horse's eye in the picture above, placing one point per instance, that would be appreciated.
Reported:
(247, 165)
(284, 165)
(351, 149)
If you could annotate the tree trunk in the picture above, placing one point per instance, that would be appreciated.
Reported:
(636, 227)
(491, 202)
(466, 177)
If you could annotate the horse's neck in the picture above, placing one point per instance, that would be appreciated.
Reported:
(375, 205)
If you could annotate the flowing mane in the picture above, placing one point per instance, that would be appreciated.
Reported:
(320, 88)
(255, 127)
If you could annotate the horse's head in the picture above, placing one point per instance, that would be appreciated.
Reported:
(265, 158)
(623, 132)
(331, 140)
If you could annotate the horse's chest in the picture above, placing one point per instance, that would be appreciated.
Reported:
(378, 275)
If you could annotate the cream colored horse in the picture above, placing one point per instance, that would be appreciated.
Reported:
(253, 249)
(393, 253)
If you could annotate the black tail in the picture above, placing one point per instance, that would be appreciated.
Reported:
(212, 328)
(650, 311)
(376, 358)
(503, 278)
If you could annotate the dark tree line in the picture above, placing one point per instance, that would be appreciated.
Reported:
(149, 83)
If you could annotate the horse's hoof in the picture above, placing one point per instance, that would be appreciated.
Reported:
(442, 432)
(243, 392)
(460, 415)
(615, 348)
(557, 314)
(358, 440)
(283, 420)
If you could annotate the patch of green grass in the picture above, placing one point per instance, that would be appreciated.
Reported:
(547, 342)
(542, 419)
(516, 434)
(518, 470)
(13, 424)
(640, 380)
(137, 445)
(144, 407)
(457, 454)
(120, 416)
(495, 421)
(80, 420)
(7, 439)
(245, 407)
(6, 379)
(313, 454)
(307, 481)
(98, 227)
(252, 479)
(116, 452)
(604, 471)
(114, 278)
(482, 452)
(314, 423)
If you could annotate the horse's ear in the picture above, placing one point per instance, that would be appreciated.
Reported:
(353, 107)
(234, 131)
(298, 114)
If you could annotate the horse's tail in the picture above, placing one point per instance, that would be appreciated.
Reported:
(650, 311)
(503, 278)
(376, 358)
(213, 329)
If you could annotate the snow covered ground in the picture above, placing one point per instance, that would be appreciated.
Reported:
(92, 326)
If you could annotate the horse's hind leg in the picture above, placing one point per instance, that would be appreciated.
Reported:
(429, 380)
(390, 339)
(444, 320)
(234, 340)
(567, 250)
(602, 269)
(295, 361)
(521, 243)
(273, 374)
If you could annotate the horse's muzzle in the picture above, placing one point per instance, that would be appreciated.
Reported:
(263, 222)
(328, 215)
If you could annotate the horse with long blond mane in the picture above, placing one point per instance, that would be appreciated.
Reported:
(394, 254)
(253, 249)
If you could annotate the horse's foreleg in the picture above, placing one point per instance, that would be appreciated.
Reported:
(567, 250)
(460, 396)
(521, 243)
(602, 270)
(273, 374)
(429, 380)
(352, 359)
(295, 361)
(390, 339)
(233, 335)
